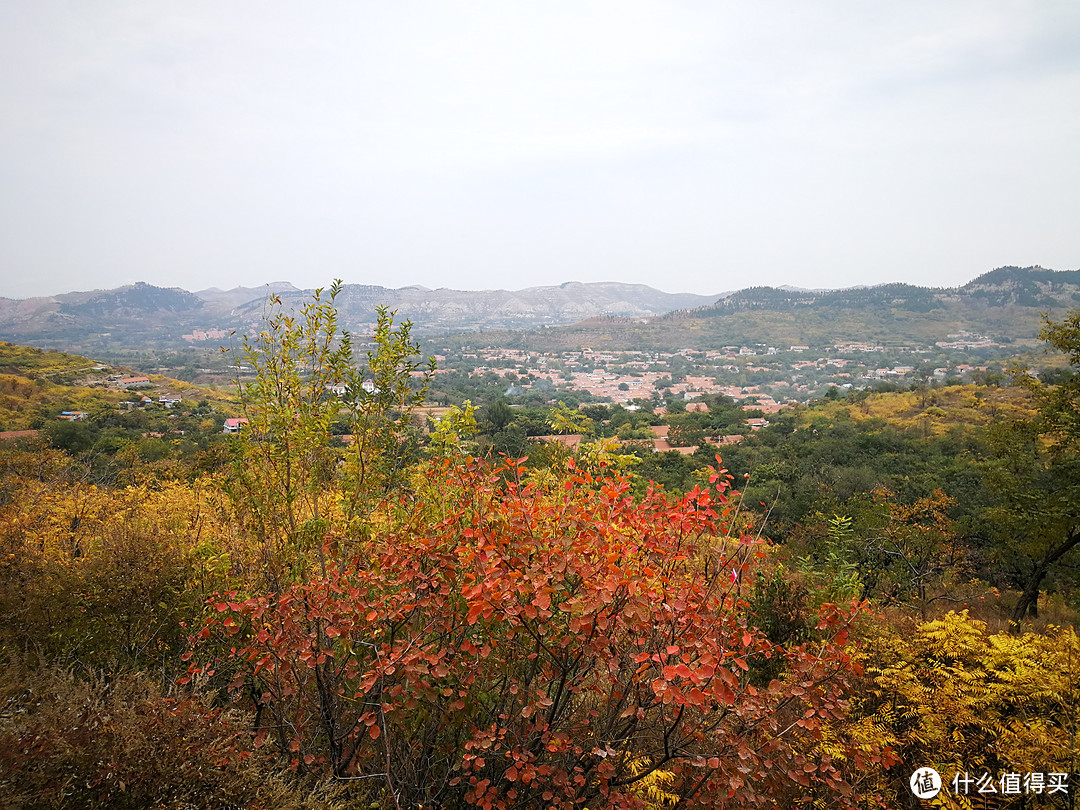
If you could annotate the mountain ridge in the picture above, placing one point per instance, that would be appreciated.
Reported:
(144, 315)
(1007, 301)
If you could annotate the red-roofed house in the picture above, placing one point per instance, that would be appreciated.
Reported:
(131, 382)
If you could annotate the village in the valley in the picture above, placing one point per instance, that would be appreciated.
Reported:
(767, 377)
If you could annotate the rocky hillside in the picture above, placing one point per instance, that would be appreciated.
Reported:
(143, 316)
(448, 310)
(1005, 304)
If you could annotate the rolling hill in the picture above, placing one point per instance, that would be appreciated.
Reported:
(1005, 304)
(141, 316)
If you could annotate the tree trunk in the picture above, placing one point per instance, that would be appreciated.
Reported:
(1029, 599)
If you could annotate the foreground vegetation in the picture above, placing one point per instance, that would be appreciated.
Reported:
(408, 618)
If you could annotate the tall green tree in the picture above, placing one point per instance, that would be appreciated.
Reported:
(1036, 477)
(380, 403)
(498, 413)
(288, 480)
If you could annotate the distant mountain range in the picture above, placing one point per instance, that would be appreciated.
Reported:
(1003, 287)
(1006, 302)
(141, 315)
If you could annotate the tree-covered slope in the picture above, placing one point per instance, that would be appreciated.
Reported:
(1006, 304)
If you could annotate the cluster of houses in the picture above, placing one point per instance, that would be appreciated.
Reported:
(140, 400)
(199, 335)
(165, 400)
(739, 372)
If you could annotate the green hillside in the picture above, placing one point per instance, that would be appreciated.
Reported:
(1005, 305)
(33, 364)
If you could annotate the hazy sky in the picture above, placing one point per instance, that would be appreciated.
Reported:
(694, 146)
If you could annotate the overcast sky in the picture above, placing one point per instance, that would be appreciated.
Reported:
(693, 146)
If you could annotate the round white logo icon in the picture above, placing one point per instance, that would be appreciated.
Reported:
(925, 783)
